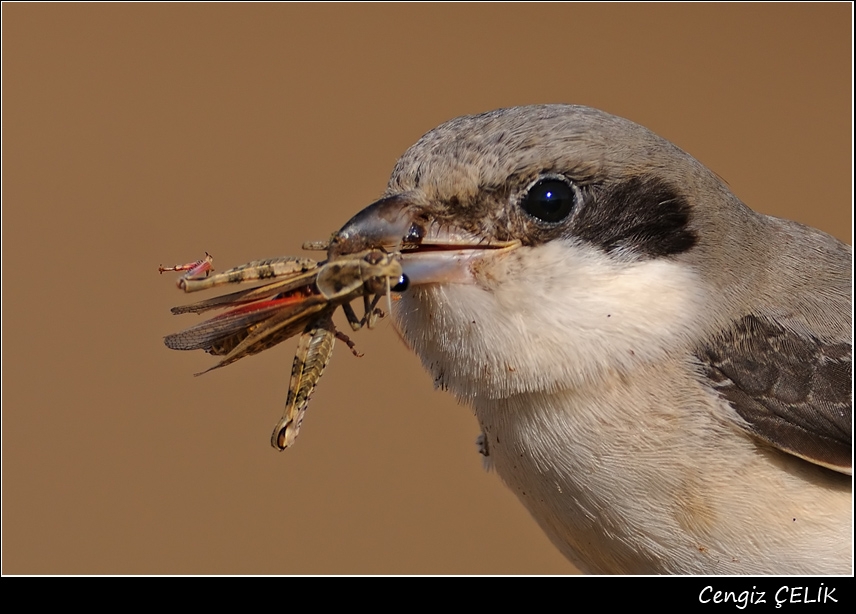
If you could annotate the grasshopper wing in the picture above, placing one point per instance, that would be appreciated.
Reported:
(205, 335)
(276, 329)
(299, 283)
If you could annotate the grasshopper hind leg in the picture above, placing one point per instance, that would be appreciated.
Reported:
(313, 353)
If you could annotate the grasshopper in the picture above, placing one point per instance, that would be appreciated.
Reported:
(300, 299)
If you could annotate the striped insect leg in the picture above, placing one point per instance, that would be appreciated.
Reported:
(201, 267)
(313, 352)
(252, 271)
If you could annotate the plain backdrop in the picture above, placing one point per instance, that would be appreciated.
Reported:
(143, 134)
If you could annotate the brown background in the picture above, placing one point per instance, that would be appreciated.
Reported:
(135, 135)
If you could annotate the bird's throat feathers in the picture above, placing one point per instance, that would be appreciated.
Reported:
(551, 317)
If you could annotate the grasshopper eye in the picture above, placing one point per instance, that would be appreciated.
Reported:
(550, 200)
(402, 285)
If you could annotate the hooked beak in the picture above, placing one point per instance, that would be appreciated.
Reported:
(430, 252)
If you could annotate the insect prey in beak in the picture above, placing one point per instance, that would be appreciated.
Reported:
(299, 297)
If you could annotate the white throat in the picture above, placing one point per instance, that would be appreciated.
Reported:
(549, 318)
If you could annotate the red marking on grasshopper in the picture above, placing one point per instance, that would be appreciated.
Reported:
(194, 269)
(279, 301)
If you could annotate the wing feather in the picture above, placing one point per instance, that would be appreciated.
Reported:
(793, 391)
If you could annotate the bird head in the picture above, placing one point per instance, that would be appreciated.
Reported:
(545, 247)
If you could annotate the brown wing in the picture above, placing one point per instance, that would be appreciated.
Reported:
(211, 333)
(265, 335)
(303, 283)
(793, 391)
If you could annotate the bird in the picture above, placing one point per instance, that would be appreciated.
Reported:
(660, 374)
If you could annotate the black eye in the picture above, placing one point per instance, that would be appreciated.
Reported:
(550, 200)
(402, 285)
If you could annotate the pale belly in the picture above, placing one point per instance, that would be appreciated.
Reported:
(660, 493)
